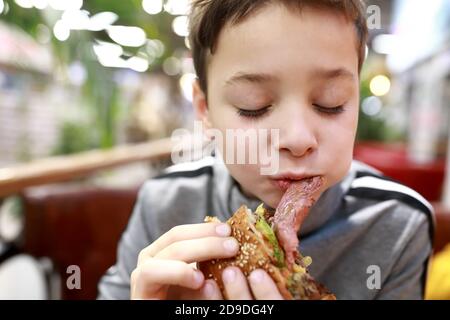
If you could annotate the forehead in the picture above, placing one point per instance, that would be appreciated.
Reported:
(285, 44)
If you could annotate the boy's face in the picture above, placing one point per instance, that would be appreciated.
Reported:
(299, 72)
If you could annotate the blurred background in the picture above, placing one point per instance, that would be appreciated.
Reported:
(90, 92)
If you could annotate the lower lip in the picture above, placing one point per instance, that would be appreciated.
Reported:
(283, 184)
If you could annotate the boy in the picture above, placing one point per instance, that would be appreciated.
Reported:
(291, 65)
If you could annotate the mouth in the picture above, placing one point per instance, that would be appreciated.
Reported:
(283, 182)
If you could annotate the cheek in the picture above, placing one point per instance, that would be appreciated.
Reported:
(247, 176)
(341, 131)
(233, 131)
(338, 144)
(220, 117)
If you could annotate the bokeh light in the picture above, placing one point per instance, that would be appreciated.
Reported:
(380, 85)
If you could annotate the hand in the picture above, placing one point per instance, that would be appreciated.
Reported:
(262, 287)
(166, 268)
(259, 286)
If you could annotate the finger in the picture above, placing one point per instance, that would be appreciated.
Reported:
(263, 287)
(209, 291)
(235, 284)
(150, 278)
(185, 232)
(200, 249)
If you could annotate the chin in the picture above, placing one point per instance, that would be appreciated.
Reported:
(271, 197)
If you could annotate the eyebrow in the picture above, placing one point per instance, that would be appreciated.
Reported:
(258, 78)
(250, 78)
(331, 74)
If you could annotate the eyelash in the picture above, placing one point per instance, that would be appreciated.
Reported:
(253, 113)
(329, 111)
(260, 112)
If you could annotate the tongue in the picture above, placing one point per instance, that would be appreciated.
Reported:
(292, 211)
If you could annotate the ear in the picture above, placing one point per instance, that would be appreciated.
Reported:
(200, 104)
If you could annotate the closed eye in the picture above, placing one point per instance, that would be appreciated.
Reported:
(253, 113)
(329, 110)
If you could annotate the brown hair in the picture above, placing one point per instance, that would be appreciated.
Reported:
(208, 18)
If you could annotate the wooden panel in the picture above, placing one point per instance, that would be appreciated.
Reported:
(57, 169)
(442, 237)
(78, 227)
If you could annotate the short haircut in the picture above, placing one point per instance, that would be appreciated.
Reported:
(209, 17)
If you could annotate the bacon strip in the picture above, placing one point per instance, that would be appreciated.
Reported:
(292, 211)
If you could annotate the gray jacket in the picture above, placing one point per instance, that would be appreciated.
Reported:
(369, 237)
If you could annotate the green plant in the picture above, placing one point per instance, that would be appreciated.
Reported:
(74, 137)
(101, 95)
(374, 128)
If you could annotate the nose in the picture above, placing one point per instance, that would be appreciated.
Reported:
(297, 135)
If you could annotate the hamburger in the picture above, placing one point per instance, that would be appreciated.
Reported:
(268, 240)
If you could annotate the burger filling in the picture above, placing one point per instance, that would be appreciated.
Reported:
(267, 232)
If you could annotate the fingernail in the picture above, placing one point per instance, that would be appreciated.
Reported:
(257, 276)
(231, 244)
(228, 275)
(198, 277)
(208, 289)
(223, 230)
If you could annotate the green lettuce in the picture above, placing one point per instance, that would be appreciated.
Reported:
(263, 227)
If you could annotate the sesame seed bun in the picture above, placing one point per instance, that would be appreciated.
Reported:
(257, 252)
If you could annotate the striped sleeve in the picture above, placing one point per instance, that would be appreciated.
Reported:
(414, 260)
